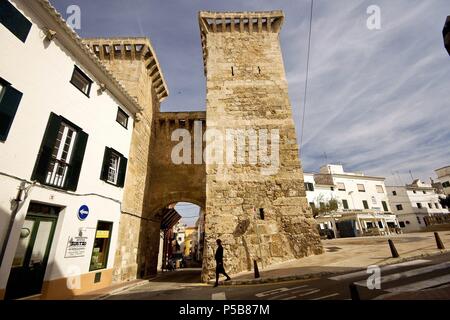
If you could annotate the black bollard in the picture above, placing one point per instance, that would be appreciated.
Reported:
(354, 294)
(393, 249)
(255, 266)
(439, 243)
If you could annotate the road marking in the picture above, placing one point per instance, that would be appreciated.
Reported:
(219, 296)
(421, 284)
(275, 291)
(408, 274)
(326, 297)
(309, 293)
(383, 269)
(289, 298)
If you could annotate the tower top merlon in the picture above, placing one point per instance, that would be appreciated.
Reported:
(240, 22)
(139, 48)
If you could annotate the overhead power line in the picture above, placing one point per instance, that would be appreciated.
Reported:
(306, 77)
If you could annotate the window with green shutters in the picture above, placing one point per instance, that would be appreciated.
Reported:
(9, 103)
(14, 21)
(114, 167)
(61, 154)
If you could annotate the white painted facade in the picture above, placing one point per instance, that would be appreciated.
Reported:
(414, 202)
(361, 199)
(42, 71)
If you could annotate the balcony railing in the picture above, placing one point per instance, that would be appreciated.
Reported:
(57, 173)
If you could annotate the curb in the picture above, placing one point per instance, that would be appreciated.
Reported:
(315, 275)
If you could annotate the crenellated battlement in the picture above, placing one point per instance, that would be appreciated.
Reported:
(111, 49)
(242, 22)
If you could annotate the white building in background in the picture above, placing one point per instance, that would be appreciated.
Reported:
(414, 203)
(443, 175)
(65, 131)
(363, 205)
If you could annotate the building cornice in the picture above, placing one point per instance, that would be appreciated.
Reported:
(72, 42)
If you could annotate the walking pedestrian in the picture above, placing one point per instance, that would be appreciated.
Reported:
(219, 263)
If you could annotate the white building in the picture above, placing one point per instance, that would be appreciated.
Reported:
(362, 203)
(414, 203)
(65, 131)
(443, 175)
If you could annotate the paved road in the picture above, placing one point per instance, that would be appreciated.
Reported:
(414, 276)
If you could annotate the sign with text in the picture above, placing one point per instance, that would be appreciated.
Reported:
(76, 247)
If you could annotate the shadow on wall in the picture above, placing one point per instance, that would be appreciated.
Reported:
(239, 232)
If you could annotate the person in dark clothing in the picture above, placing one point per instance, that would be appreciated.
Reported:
(219, 263)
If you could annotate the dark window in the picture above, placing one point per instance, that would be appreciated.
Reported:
(370, 225)
(312, 205)
(446, 184)
(418, 220)
(261, 213)
(407, 222)
(394, 193)
(424, 192)
(345, 204)
(365, 204)
(430, 205)
(81, 81)
(332, 188)
(14, 21)
(399, 207)
(309, 186)
(99, 259)
(436, 205)
(114, 167)
(380, 224)
(122, 118)
(402, 224)
(9, 103)
(61, 154)
(419, 205)
(414, 191)
(385, 206)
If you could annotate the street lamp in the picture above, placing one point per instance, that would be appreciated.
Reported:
(446, 34)
(353, 201)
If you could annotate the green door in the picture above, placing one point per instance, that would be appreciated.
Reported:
(30, 260)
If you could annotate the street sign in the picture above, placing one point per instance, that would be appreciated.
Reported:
(83, 212)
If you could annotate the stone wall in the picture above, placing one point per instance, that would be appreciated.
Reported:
(247, 89)
(133, 63)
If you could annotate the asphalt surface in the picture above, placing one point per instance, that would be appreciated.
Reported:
(416, 275)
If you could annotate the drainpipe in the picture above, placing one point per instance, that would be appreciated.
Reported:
(17, 200)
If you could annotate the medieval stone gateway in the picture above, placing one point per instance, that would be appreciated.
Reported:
(259, 215)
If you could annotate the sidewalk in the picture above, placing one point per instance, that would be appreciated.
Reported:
(347, 255)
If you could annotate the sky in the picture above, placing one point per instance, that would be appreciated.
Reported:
(377, 100)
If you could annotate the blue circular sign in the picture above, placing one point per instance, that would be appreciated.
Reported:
(83, 212)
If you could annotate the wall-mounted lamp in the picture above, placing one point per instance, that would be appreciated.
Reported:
(50, 34)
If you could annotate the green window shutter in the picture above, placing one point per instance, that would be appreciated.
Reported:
(8, 108)
(122, 171)
(14, 21)
(76, 161)
(45, 152)
(105, 164)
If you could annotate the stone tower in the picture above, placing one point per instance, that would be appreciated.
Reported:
(257, 207)
(134, 63)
